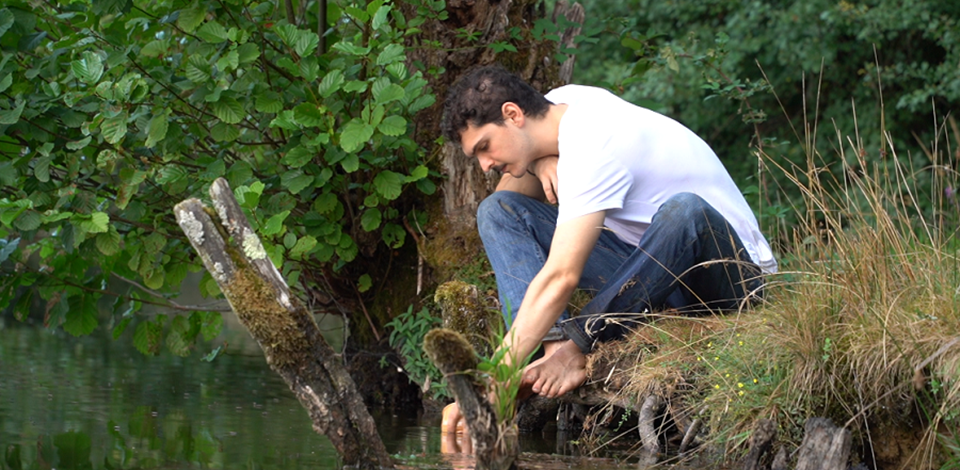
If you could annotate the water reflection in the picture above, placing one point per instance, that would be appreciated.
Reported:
(95, 403)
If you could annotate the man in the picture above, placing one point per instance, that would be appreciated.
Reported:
(648, 218)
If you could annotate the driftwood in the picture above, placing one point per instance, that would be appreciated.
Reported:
(764, 433)
(284, 328)
(495, 448)
(824, 447)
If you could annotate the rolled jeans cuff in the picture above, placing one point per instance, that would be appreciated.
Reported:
(556, 333)
(573, 331)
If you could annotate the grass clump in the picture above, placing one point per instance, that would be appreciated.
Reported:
(861, 325)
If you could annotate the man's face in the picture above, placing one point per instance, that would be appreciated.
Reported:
(501, 147)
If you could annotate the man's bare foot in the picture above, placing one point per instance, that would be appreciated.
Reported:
(561, 369)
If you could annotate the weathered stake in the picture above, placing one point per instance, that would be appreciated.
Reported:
(283, 327)
(494, 448)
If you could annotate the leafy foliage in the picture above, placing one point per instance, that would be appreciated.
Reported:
(877, 66)
(114, 111)
(406, 337)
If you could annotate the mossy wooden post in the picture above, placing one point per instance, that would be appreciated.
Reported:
(495, 448)
(285, 330)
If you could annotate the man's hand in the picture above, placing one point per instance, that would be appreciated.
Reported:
(545, 169)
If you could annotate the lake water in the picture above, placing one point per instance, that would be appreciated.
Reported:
(92, 403)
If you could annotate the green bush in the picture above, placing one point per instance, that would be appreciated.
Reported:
(115, 110)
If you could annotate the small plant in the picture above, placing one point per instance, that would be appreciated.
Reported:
(406, 338)
(504, 378)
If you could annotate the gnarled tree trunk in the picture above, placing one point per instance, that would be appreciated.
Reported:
(285, 330)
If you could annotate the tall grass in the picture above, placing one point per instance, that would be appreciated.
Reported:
(861, 325)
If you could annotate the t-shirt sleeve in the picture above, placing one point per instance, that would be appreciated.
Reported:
(591, 186)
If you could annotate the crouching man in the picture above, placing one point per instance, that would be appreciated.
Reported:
(648, 218)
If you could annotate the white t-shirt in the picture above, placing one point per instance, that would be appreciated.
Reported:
(627, 160)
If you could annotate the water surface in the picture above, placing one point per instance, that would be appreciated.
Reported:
(92, 402)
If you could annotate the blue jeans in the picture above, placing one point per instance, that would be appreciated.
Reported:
(689, 259)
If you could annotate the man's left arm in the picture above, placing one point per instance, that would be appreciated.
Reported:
(550, 290)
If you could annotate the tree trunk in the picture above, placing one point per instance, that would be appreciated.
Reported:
(453, 52)
(285, 330)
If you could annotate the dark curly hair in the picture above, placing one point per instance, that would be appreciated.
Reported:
(478, 96)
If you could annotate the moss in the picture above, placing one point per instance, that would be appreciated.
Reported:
(463, 311)
(279, 331)
(450, 351)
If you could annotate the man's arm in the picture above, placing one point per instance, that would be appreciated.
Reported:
(539, 183)
(550, 290)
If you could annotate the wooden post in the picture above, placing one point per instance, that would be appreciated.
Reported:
(495, 448)
(284, 328)
(824, 447)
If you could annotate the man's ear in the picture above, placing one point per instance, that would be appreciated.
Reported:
(513, 113)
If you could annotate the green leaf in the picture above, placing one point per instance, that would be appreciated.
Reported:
(393, 125)
(121, 327)
(393, 235)
(355, 86)
(308, 114)
(28, 220)
(108, 242)
(325, 203)
(79, 144)
(42, 169)
(228, 110)
(392, 53)
(98, 222)
(354, 135)
(388, 184)
(248, 53)
(285, 120)
(6, 21)
(307, 42)
(147, 336)
(190, 18)
(197, 69)
(114, 129)
(209, 358)
(392, 92)
(380, 17)
(295, 181)
(223, 132)
(350, 163)
(6, 81)
(88, 69)
(155, 48)
(371, 219)
(351, 48)
(156, 130)
(180, 337)
(275, 224)
(423, 101)
(303, 245)
(212, 325)
(212, 32)
(81, 321)
(331, 83)
(364, 283)
(13, 115)
(269, 102)
(229, 61)
(298, 156)
(418, 173)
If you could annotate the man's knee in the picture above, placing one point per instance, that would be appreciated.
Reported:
(498, 209)
(684, 205)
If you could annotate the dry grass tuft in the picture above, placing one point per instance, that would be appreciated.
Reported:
(862, 325)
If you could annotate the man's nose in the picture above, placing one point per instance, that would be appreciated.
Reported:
(485, 163)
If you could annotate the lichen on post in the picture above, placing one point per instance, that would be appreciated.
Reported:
(284, 328)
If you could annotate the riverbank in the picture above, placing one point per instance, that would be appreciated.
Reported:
(860, 325)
